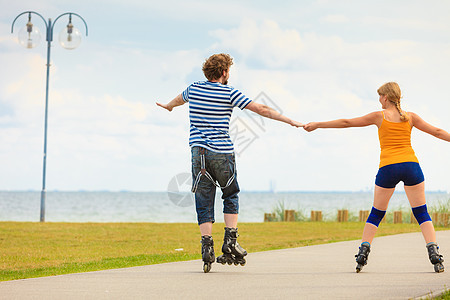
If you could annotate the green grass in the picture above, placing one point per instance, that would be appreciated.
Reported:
(43, 249)
(444, 296)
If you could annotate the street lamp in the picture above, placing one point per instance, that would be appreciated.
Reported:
(29, 37)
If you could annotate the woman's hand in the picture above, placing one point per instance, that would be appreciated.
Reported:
(311, 126)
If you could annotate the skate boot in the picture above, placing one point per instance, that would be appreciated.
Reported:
(208, 256)
(435, 258)
(362, 256)
(233, 253)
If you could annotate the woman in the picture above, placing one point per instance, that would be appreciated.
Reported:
(398, 162)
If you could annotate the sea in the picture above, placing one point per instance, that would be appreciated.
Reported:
(172, 207)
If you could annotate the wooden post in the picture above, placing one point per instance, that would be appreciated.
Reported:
(316, 216)
(268, 217)
(445, 220)
(289, 215)
(343, 215)
(397, 217)
(363, 215)
(435, 218)
(441, 219)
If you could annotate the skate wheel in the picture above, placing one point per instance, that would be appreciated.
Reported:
(242, 263)
(236, 263)
(206, 267)
(439, 268)
(358, 268)
(229, 263)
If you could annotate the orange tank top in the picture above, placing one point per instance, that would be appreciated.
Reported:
(395, 143)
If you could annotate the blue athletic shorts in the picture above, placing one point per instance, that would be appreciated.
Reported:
(408, 172)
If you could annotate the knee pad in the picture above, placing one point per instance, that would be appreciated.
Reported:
(375, 216)
(421, 214)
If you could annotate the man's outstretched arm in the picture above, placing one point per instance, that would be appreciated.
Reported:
(177, 101)
(270, 113)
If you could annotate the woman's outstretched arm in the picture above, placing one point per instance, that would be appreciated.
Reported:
(374, 118)
(420, 124)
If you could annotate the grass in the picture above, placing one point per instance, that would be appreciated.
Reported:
(441, 207)
(43, 249)
(444, 296)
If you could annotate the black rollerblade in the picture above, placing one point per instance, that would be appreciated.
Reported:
(208, 256)
(362, 256)
(233, 253)
(435, 258)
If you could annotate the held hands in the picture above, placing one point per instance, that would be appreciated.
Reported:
(311, 126)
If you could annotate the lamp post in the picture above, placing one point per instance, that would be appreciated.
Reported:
(29, 37)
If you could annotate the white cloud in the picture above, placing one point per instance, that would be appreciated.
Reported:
(409, 23)
(335, 19)
(266, 43)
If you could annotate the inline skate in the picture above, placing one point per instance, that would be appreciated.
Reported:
(208, 256)
(233, 253)
(435, 258)
(362, 256)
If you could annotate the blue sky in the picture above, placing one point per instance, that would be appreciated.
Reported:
(313, 60)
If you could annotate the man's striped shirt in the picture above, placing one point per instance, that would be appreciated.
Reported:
(210, 108)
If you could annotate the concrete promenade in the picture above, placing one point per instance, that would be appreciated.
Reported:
(398, 269)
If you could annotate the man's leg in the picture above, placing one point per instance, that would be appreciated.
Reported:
(206, 228)
(230, 220)
(204, 203)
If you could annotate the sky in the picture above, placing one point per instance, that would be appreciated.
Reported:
(310, 60)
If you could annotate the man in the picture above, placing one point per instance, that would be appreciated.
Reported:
(211, 103)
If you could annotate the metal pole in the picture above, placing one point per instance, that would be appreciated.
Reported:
(49, 38)
(43, 192)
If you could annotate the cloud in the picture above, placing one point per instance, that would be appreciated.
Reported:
(265, 44)
(335, 19)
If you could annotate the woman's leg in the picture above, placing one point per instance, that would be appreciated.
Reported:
(416, 197)
(380, 202)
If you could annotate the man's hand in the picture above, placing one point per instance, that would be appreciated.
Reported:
(296, 124)
(166, 106)
(177, 101)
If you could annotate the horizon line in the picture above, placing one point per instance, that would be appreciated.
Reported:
(242, 191)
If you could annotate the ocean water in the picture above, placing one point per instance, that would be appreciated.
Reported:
(179, 207)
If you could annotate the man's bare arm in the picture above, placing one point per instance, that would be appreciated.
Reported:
(265, 111)
(177, 101)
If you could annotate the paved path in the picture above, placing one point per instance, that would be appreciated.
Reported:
(398, 269)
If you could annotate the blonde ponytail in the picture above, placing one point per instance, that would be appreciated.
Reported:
(403, 115)
(393, 93)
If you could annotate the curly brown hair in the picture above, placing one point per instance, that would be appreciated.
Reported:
(214, 66)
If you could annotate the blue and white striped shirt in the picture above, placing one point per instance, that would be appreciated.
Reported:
(210, 108)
